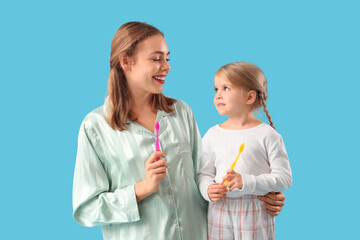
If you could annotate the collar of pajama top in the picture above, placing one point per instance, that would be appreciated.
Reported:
(109, 163)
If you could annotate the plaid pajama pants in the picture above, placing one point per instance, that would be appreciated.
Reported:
(242, 218)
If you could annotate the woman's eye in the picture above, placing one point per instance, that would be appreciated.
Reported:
(159, 59)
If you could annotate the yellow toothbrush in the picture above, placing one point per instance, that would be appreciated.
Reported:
(226, 181)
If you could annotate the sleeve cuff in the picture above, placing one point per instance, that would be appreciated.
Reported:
(129, 196)
(204, 190)
(249, 184)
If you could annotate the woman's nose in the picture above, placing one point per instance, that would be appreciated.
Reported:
(165, 66)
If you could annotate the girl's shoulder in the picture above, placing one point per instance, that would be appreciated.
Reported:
(269, 134)
(266, 129)
(212, 132)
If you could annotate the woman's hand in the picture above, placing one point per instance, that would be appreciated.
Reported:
(235, 180)
(155, 172)
(274, 202)
(216, 192)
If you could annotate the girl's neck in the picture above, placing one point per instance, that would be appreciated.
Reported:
(241, 122)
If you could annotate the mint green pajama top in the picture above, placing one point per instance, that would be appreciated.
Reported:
(110, 162)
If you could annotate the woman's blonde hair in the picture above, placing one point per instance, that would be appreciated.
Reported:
(125, 42)
(250, 77)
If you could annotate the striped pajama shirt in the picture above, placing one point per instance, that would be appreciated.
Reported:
(109, 163)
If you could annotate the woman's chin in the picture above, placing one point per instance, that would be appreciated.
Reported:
(158, 90)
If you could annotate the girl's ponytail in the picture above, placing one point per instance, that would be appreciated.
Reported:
(262, 98)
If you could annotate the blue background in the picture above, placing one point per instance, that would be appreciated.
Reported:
(54, 61)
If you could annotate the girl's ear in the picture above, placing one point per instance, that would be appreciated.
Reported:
(125, 62)
(251, 97)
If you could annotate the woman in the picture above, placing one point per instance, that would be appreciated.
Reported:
(118, 183)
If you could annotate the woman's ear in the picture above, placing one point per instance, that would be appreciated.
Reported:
(125, 62)
(251, 97)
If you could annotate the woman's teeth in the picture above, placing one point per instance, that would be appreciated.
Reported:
(160, 78)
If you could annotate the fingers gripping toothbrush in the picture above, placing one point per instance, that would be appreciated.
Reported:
(226, 181)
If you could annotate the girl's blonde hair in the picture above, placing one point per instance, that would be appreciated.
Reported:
(250, 77)
(125, 42)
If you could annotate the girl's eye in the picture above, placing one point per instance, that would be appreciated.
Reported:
(226, 89)
(168, 59)
(216, 90)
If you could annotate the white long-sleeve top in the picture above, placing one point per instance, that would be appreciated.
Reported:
(263, 164)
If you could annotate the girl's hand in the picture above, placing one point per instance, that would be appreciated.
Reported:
(273, 202)
(155, 172)
(235, 180)
(216, 192)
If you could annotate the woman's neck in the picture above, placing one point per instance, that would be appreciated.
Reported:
(140, 102)
(143, 110)
(239, 122)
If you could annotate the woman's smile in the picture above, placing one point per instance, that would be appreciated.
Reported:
(160, 78)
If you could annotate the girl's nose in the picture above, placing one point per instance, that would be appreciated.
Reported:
(218, 95)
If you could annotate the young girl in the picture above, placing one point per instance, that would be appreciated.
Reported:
(262, 166)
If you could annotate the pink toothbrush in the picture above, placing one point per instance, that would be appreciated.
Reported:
(157, 145)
